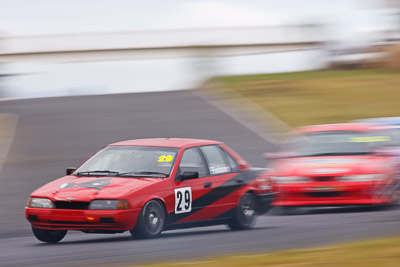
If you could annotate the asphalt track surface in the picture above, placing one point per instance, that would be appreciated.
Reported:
(55, 133)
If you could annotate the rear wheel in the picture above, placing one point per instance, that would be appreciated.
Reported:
(151, 220)
(245, 212)
(49, 236)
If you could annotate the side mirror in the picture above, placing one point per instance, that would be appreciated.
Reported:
(187, 176)
(70, 170)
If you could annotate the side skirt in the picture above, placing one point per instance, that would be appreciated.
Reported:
(221, 219)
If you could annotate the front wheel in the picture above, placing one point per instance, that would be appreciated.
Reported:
(49, 236)
(151, 220)
(244, 216)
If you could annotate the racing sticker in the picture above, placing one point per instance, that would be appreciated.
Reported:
(165, 158)
(219, 169)
(95, 184)
(183, 200)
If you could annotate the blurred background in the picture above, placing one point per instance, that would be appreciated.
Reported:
(76, 75)
(57, 48)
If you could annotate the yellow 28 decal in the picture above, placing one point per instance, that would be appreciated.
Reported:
(165, 158)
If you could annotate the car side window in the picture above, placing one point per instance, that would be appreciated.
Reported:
(232, 162)
(217, 163)
(192, 162)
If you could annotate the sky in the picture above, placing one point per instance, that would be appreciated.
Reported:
(349, 22)
(37, 17)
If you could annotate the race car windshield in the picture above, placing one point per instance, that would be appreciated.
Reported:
(130, 161)
(332, 143)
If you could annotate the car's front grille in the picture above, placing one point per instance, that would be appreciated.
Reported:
(71, 205)
(324, 178)
(324, 194)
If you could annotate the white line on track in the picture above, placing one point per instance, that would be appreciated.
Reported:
(8, 125)
(247, 113)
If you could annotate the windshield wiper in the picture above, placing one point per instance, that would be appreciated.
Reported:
(107, 172)
(143, 173)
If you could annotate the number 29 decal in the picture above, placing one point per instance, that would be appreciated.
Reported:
(165, 158)
(183, 200)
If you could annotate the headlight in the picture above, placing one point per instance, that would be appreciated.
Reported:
(108, 204)
(362, 178)
(37, 202)
(290, 179)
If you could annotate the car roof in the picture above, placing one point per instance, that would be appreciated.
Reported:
(337, 127)
(166, 142)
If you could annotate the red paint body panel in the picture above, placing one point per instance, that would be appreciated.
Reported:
(78, 219)
(361, 127)
(327, 189)
(218, 198)
(325, 186)
(332, 193)
(218, 207)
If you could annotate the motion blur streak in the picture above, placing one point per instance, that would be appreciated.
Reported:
(133, 69)
(59, 132)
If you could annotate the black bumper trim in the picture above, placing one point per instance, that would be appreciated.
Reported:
(263, 202)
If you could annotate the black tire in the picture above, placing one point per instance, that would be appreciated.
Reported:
(49, 236)
(151, 221)
(245, 213)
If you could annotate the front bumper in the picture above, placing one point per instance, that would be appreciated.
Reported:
(338, 193)
(63, 219)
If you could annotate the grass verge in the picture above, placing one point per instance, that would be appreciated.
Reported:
(370, 253)
(315, 97)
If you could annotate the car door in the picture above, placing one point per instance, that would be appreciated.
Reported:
(212, 195)
(189, 193)
(224, 180)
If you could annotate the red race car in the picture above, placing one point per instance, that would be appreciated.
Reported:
(146, 186)
(335, 164)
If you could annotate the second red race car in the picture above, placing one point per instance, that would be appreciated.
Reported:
(330, 165)
(146, 186)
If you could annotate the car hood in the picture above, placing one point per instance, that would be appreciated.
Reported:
(87, 188)
(331, 165)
